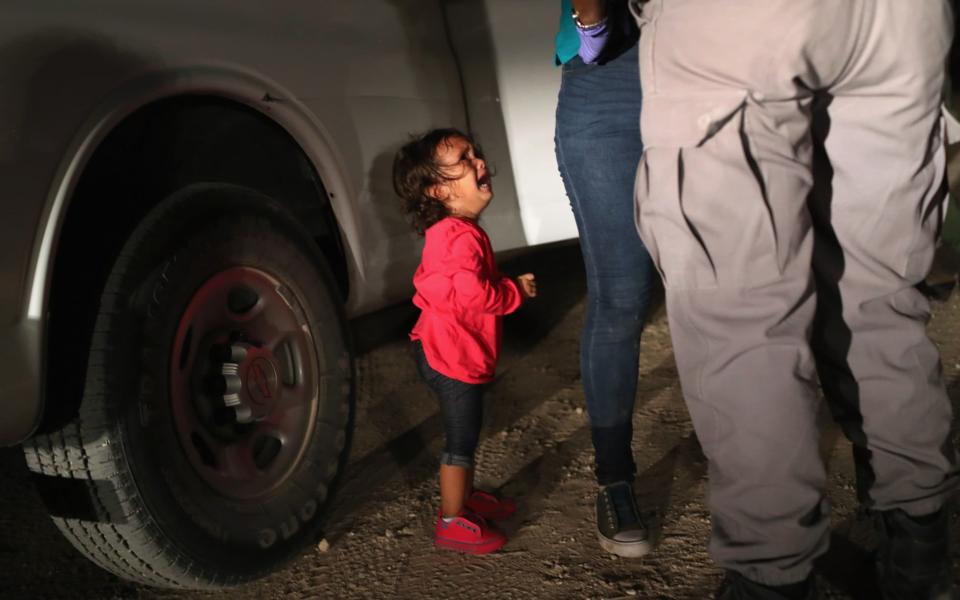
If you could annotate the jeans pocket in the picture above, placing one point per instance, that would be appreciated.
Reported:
(574, 64)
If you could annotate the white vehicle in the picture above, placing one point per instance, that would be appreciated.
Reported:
(196, 197)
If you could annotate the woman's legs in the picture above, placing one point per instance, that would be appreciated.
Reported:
(598, 147)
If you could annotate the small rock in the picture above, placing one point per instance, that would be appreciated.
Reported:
(324, 545)
(579, 411)
(631, 592)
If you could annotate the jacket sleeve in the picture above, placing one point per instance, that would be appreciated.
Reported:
(472, 287)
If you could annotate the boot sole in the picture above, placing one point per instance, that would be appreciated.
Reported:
(624, 549)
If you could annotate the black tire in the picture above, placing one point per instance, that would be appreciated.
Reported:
(157, 479)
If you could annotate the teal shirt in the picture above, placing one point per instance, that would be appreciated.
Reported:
(568, 42)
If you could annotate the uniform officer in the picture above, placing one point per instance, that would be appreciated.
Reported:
(790, 192)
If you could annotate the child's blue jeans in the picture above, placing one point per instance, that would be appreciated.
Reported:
(461, 407)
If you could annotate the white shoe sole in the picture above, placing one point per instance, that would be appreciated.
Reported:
(624, 549)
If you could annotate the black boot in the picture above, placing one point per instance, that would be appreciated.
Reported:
(913, 560)
(737, 587)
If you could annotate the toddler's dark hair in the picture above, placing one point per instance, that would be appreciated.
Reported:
(415, 170)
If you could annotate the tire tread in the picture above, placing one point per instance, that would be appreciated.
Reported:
(124, 537)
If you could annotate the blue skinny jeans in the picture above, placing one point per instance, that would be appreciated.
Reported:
(598, 148)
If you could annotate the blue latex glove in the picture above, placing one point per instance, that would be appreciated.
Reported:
(592, 42)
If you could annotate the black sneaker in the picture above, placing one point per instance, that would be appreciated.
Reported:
(737, 587)
(619, 527)
(913, 560)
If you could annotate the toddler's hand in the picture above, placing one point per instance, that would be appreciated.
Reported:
(528, 286)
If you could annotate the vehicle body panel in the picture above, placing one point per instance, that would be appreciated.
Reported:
(349, 81)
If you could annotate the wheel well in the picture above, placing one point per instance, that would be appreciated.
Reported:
(154, 152)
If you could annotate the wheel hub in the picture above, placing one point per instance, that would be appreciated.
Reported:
(261, 383)
(244, 377)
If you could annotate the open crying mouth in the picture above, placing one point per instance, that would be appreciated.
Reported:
(484, 182)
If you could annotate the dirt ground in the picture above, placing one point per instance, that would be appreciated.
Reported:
(536, 446)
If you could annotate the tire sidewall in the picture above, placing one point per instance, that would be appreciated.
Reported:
(200, 233)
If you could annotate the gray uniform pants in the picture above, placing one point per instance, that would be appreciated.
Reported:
(790, 192)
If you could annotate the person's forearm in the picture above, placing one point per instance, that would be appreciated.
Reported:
(589, 11)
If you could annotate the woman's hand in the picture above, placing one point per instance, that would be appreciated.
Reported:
(528, 285)
(591, 29)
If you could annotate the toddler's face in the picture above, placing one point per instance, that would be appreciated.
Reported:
(467, 190)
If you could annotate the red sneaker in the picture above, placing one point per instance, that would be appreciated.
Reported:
(489, 506)
(468, 533)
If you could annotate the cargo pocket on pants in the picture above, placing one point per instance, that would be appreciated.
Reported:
(930, 218)
(701, 198)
